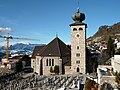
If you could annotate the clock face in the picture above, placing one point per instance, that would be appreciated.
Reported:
(77, 35)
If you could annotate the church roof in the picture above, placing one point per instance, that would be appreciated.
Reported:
(55, 48)
(37, 51)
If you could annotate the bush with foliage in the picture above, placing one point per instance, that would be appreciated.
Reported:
(91, 85)
(51, 70)
(110, 47)
(56, 69)
(19, 66)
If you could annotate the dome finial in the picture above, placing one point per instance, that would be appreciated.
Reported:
(78, 16)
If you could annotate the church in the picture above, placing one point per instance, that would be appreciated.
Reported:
(70, 59)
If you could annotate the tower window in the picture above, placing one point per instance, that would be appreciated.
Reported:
(78, 35)
(80, 28)
(74, 29)
(78, 62)
(78, 48)
(78, 55)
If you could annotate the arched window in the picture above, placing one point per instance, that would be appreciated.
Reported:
(78, 48)
(80, 28)
(52, 62)
(49, 62)
(46, 62)
(74, 29)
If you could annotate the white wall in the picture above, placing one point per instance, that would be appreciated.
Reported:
(116, 63)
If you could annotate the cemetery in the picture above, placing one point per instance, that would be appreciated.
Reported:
(42, 82)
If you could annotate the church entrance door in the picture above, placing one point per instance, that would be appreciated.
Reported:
(78, 70)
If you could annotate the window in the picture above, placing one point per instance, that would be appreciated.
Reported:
(77, 47)
(52, 62)
(78, 62)
(78, 55)
(80, 28)
(74, 29)
(49, 62)
(46, 62)
(77, 35)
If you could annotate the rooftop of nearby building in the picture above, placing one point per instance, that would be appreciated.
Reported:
(105, 70)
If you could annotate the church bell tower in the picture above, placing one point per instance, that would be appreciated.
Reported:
(78, 43)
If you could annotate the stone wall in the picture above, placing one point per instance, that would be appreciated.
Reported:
(68, 70)
(36, 64)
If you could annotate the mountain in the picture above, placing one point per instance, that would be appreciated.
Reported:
(105, 31)
(20, 48)
(1, 55)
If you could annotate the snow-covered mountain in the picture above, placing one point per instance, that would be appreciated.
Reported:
(20, 48)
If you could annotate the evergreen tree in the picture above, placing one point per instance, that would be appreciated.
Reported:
(89, 84)
(19, 66)
(51, 70)
(110, 47)
(56, 69)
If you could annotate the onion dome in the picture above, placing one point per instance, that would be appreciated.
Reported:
(78, 17)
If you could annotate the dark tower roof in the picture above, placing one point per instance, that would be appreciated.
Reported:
(55, 48)
(78, 17)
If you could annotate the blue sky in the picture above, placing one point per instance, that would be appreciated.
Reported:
(42, 19)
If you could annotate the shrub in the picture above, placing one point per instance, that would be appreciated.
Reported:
(51, 70)
(56, 69)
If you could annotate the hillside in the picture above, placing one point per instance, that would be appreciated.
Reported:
(105, 31)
